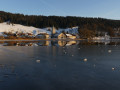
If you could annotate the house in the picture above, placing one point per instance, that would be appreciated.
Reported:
(47, 36)
(20, 35)
(71, 36)
(116, 32)
(30, 35)
(60, 36)
(43, 36)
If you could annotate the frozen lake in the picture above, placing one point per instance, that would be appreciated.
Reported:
(59, 66)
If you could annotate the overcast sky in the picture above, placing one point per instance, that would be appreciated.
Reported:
(85, 8)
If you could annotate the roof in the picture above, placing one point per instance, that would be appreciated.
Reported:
(69, 35)
(43, 34)
(59, 34)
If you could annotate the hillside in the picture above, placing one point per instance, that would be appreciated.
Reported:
(17, 28)
(4, 27)
(68, 24)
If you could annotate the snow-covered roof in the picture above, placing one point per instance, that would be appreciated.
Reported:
(58, 34)
(69, 35)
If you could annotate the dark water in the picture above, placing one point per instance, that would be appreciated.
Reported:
(80, 66)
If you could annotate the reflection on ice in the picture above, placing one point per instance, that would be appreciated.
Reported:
(109, 51)
(113, 69)
(60, 43)
(38, 61)
(85, 60)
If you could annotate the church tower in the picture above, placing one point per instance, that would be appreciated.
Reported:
(53, 30)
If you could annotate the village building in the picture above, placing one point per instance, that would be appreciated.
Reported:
(116, 32)
(30, 35)
(60, 36)
(43, 36)
(71, 36)
(47, 36)
(53, 30)
(20, 35)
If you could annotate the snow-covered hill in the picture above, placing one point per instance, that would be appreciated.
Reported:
(20, 28)
(4, 27)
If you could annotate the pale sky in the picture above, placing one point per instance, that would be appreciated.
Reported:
(84, 8)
